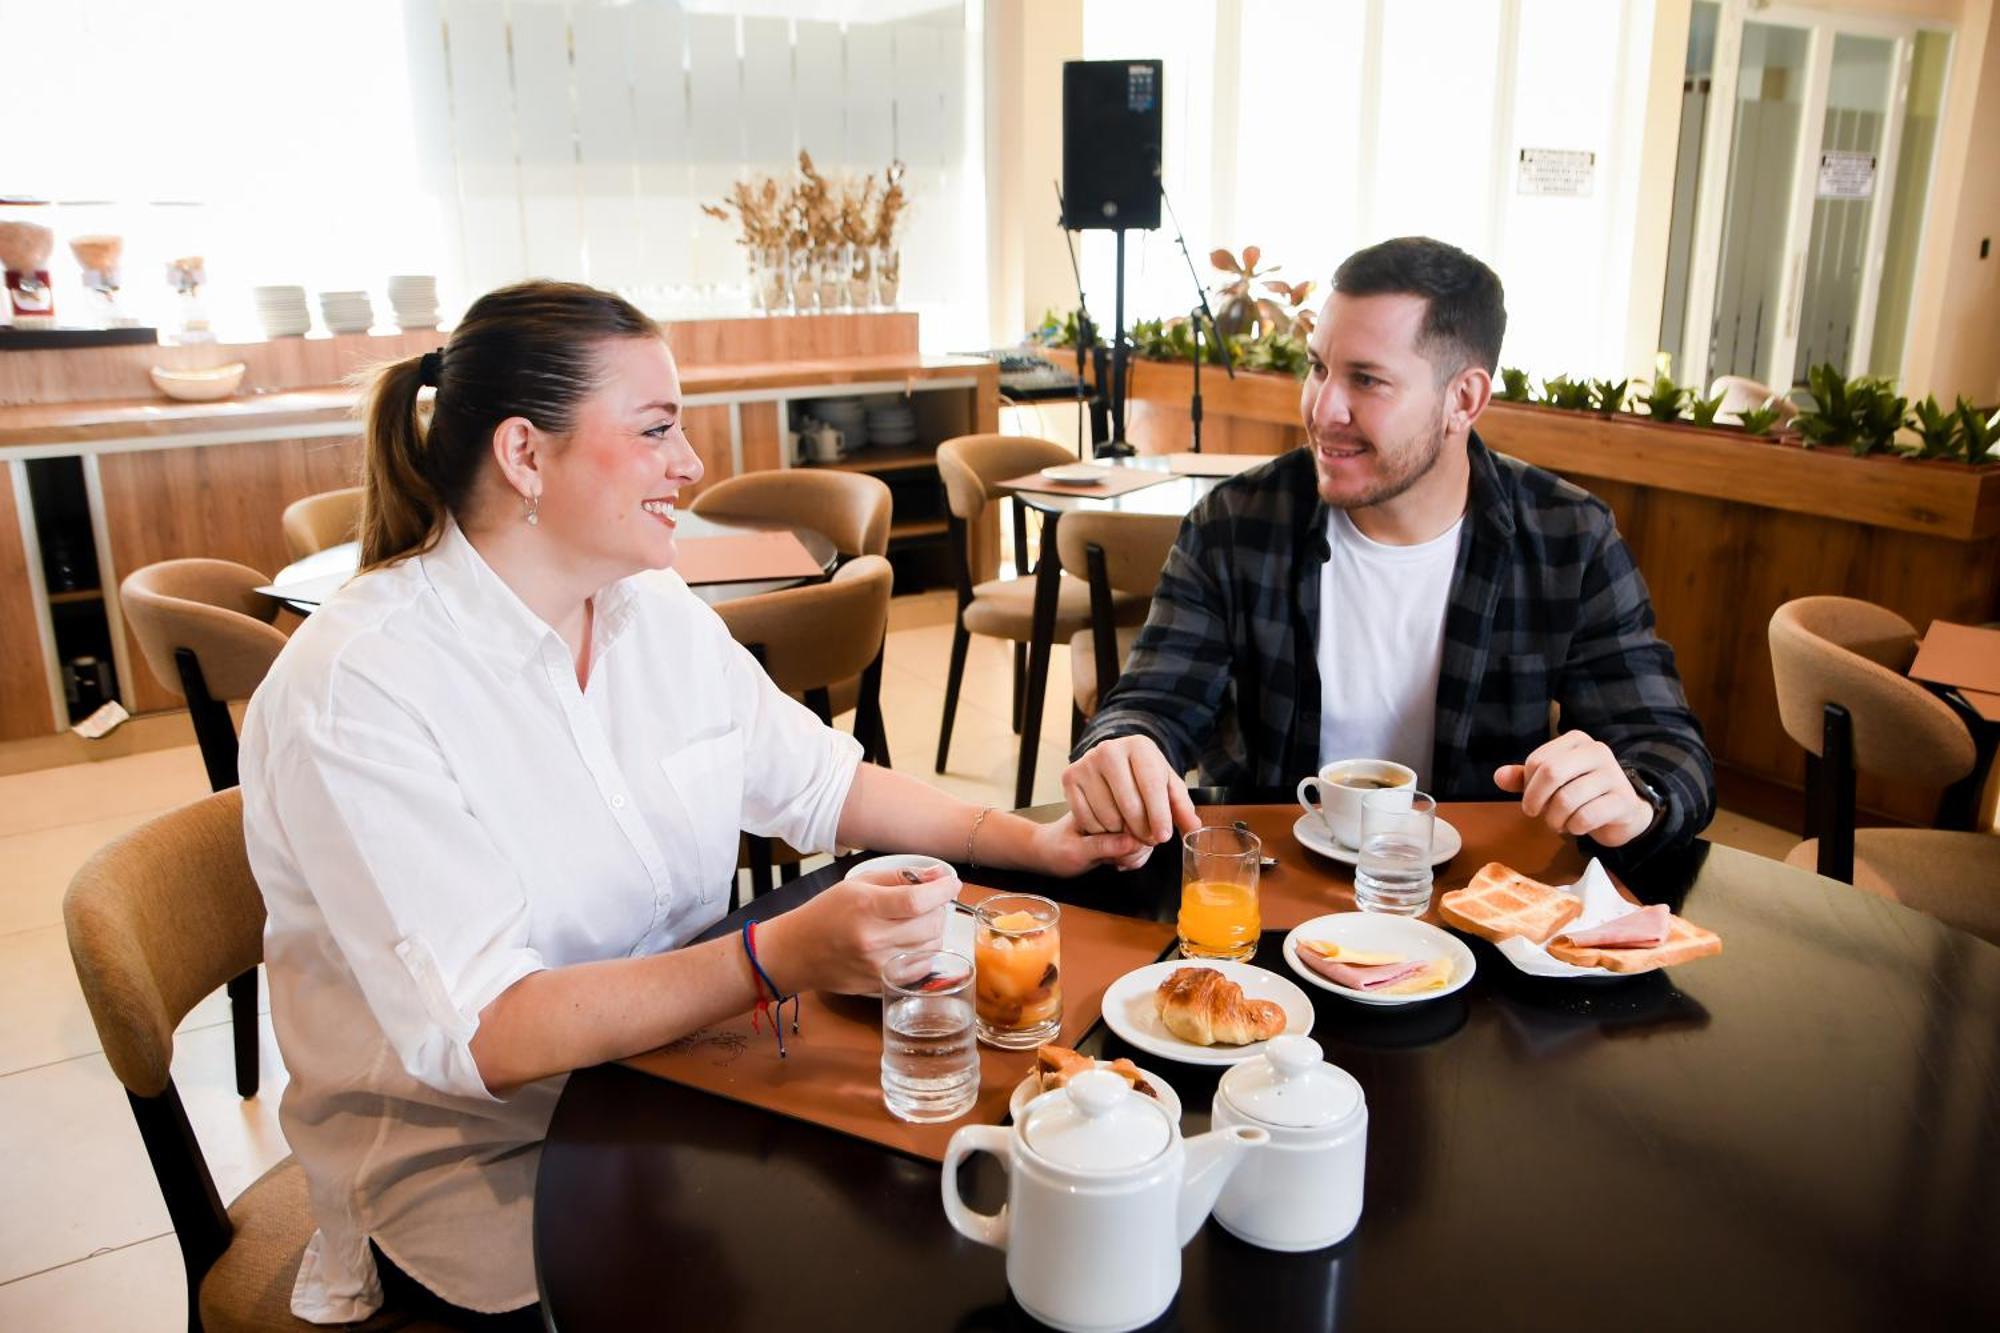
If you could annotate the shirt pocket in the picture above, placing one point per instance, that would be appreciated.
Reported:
(707, 777)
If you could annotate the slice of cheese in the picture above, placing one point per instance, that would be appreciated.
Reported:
(1353, 957)
(1436, 977)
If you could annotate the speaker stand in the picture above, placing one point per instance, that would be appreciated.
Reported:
(1117, 446)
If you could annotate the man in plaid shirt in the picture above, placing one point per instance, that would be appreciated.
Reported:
(1395, 590)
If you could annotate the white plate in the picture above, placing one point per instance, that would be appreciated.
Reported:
(1073, 474)
(1312, 835)
(1131, 1013)
(1379, 933)
(1029, 1088)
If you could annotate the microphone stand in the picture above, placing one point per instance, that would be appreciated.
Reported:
(1086, 333)
(1196, 316)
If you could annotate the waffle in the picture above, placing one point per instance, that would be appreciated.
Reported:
(1685, 942)
(1500, 903)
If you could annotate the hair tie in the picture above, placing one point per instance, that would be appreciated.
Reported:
(430, 368)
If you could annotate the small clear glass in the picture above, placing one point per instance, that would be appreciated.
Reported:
(1017, 944)
(1393, 872)
(1219, 916)
(930, 1063)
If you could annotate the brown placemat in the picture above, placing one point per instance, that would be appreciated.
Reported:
(1190, 464)
(1305, 884)
(833, 1074)
(1960, 655)
(747, 558)
(1110, 481)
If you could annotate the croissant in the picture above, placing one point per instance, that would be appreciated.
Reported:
(1200, 1005)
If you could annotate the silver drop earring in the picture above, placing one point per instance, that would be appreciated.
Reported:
(534, 510)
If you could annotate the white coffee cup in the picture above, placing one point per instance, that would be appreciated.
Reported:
(1338, 803)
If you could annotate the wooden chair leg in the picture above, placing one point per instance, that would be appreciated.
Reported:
(960, 639)
(243, 1018)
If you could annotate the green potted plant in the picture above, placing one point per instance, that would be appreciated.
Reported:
(1833, 418)
(1757, 421)
(1936, 428)
(1514, 386)
(1664, 399)
(1567, 394)
(1976, 434)
(1702, 410)
(1607, 397)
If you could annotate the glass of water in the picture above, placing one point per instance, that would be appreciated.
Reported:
(1393, 872)
(930, 1064)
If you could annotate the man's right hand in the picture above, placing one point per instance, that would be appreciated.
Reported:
(1125, 785)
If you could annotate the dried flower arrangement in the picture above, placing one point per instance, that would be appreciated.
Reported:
(837, 235)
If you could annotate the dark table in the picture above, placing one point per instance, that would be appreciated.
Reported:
(1803, 1132)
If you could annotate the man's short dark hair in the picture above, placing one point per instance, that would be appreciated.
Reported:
(1466, 312)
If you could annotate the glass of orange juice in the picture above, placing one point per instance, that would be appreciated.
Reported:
(1017, 961)
(1219, 893)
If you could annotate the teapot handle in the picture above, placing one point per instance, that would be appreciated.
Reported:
(986, 1228)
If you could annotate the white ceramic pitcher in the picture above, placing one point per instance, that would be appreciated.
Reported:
(1102, 1193)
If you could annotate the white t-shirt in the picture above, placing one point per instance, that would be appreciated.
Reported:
(434, 810)
(1381, 643)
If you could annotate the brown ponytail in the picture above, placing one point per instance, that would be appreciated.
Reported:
(531, 350)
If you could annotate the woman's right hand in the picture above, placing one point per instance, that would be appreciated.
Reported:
(840, 940)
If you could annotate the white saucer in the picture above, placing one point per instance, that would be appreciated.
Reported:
(1029, 1088)
(1073, 474)
(1130, 1011)
(1312, 835)
(1380, 933)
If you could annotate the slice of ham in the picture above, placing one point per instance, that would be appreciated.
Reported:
(1643, 929)
(1370, 977)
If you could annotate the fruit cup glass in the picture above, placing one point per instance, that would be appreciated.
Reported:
(1219, 917)
(1017, 957)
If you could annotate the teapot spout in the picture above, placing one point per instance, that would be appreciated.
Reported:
(1211, 1159)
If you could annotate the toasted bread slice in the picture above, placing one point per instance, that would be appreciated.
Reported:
(1685, 942)
(1500, 903)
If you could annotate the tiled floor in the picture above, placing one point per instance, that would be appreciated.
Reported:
(84, 1241)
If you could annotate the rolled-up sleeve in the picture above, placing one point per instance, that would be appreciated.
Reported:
(421, 905)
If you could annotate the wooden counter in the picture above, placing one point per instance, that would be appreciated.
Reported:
(167, 480)
(1725, 529)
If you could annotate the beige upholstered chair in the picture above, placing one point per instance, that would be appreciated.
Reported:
(1112, 553)
(156, 920)
(852, 509)
(322, 520)
(207, 637)
(970, 467)
(809, 639)
(1838, 665)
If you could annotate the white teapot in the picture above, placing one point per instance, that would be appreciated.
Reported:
(1102, 1193)
(1301, 1190)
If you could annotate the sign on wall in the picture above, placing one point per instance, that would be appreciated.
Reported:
(1846, 175)
(1556, 171)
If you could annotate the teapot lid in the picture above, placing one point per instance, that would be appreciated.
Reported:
(1292, 1087)
(1099, 1124)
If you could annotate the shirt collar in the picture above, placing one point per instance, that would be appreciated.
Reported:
(492, 618)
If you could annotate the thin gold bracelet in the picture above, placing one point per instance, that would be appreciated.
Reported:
(972, 833)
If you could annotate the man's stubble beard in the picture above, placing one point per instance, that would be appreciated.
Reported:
(1420, 462)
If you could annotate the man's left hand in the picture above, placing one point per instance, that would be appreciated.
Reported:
(1575, 785)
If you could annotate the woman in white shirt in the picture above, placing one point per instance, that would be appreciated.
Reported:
(494, 786)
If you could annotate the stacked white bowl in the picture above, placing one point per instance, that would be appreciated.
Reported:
(282, 311)
(845, 415)
(346, 312)
(892, 422)
(414, 298)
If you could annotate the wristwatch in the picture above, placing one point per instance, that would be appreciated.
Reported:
(1647, 792)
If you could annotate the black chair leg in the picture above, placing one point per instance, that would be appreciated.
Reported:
(869, 727)
(1020, 682)
(1076, 721)
(961, 638)
(243, 1018)
(1836, 793)
(760, 867)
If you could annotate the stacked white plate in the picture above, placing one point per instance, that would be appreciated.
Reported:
(415, 301)
(893, 424)
(346, 312)
(847, 416)
(282, 311)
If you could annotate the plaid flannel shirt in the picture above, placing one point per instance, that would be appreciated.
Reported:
(1546, 606)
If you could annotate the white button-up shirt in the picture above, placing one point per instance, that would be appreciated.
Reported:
(434, 810)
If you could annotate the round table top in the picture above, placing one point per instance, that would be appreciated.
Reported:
(1175, 495)
(304, 584)
(1801, 1132)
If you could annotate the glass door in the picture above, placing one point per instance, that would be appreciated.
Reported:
(1799, 233)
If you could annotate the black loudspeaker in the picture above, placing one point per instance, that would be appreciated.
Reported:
(1111, 145)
